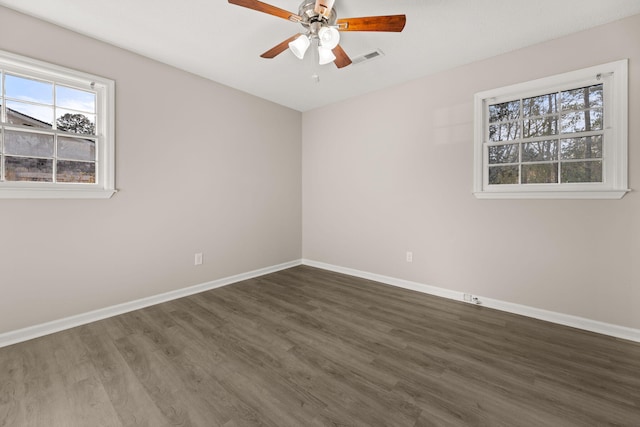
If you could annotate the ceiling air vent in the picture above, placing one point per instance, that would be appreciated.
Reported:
(367, 57)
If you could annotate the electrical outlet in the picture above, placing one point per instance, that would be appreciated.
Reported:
(409, 256)
(471, 298)
(198, 259)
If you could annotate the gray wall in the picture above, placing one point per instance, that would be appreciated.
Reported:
(396, 176)
(200, 168)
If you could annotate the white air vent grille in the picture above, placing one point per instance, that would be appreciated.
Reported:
(367, 57)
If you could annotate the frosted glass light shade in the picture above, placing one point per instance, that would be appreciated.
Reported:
(325, 55)
(329, 37)
(299, 46)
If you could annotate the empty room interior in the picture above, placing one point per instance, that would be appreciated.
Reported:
(427, 216)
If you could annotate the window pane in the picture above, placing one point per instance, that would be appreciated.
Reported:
(76, 148)
(75, 122)
(28, 169)
(75, 99)
(581, 121)
(540, 105)
(503, 132)
(540, 127)
(544, 173)
(508, 153)
(68, 171)
(28, 89)
(503, 175)
(582, 98)
(540, 151)
(582, 171)
(582, 148)
(28, 144)
(38, 116)
(504, 112)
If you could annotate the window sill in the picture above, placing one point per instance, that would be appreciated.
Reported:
(56, 193)
(600, 194)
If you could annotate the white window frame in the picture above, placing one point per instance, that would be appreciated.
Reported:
(104, 88)
(614, 77)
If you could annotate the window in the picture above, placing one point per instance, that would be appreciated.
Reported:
(56, 131)
(559, 137)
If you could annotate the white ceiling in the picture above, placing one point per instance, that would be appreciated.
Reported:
(222, 42)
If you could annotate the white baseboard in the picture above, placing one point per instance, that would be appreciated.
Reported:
(616, 331)
(20, 335)
(25, 334)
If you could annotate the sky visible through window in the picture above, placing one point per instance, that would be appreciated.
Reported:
(35, 99)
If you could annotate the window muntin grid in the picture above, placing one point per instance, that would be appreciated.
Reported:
(553, 138)
(48, 131)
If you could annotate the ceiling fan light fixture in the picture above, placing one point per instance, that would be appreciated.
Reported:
(329, 37)
(300, 45)
(325, 55)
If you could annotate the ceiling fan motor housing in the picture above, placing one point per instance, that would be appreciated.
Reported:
(310, 16)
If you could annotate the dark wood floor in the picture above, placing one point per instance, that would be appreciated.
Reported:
(307, 347)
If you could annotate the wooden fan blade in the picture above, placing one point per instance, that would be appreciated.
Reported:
(278, 49)
(323, 7)
(267, 8)
(342, 59)
(393, 23)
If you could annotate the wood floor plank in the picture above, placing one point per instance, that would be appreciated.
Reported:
(309, 347)
(12, 386)
(124, 390)
(47, 398)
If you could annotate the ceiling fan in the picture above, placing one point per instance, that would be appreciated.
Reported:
(319, 19)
